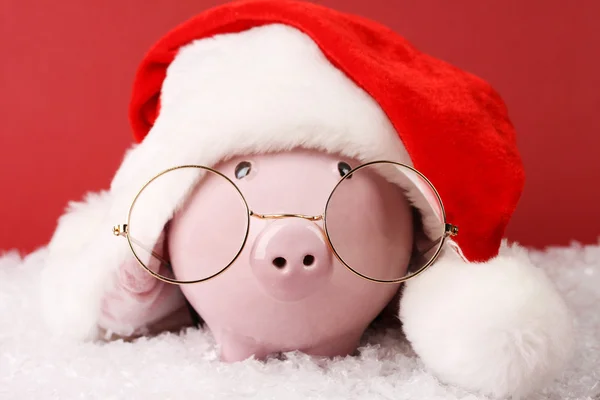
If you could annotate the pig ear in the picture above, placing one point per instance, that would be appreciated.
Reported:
(423, 198)
(498, 327)
(81, 264)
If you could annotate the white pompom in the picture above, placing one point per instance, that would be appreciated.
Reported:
(498, 328)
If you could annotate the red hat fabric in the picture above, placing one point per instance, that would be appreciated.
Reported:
(454, 125)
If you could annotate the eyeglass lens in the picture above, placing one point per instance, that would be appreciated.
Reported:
(384, 222)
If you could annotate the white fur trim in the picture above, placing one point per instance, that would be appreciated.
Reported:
(498, 327)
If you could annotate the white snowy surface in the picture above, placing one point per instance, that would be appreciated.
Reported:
(34, 365)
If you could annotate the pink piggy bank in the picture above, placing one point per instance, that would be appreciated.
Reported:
(282, 262)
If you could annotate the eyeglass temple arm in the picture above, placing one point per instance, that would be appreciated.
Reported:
(450, 230)
(121, 230)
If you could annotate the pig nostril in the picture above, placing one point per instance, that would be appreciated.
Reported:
(308, 260)
(279, 262)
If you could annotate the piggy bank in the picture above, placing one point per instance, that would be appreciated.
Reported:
(283, 261)
(257, 195)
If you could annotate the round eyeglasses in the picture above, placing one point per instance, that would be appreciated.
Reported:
(370, 196)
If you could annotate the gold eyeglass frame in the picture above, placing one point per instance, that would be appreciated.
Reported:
(449, 229)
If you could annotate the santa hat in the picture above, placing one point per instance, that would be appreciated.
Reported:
(271, 75)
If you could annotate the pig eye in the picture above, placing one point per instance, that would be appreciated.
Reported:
(343, 169)
(242, 169)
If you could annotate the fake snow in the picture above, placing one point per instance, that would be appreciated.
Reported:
(34, 365)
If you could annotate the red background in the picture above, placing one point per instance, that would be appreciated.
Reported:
(67, 68)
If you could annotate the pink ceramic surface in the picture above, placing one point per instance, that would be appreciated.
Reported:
(286, 290)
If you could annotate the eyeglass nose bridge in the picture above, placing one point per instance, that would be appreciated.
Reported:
(281, 216)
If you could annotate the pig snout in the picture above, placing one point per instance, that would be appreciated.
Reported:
(291, 259)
